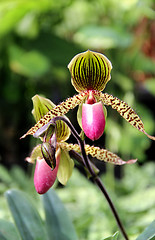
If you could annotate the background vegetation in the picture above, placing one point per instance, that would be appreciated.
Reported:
(37, 41)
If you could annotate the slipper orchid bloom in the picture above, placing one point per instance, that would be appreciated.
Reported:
(90, 72)
(52, 155)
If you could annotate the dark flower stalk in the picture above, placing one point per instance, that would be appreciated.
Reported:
(84, 158)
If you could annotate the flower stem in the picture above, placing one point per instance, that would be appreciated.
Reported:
(95, 178)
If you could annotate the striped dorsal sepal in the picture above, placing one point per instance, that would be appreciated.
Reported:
(90, 71)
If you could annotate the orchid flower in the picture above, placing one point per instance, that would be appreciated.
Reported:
(90, 72)
(52, 155)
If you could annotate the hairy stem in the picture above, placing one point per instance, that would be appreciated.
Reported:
(84, 158)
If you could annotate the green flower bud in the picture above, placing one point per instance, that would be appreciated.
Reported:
(48, 152)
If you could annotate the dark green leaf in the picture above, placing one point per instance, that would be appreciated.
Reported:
(26, 216)
(8, 231)
(58, 223)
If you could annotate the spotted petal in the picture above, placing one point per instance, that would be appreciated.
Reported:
(125, 111)
(59, 110)
(90, 71)
(101, 154)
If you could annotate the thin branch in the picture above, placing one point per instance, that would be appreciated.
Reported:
(95, 178)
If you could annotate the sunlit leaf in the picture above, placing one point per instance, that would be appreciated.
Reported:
(30, 64)
(11, 12)
(114, 237)
(103, 37)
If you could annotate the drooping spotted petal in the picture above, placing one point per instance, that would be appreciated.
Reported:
(101, 154)
(59, 110)
(125, 111)
(90, 71)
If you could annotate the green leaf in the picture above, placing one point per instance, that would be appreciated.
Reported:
(26, 216)
(149, 233)
(94, 36)
(59, 225)
(113, 237)
(11, 12)
(30, 64)
(8, 231)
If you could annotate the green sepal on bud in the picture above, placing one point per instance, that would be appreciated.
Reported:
(48, 152)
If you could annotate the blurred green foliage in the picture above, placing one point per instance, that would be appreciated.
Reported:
(133, 196)
(37, 41)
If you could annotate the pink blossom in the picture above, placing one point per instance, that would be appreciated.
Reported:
(93, 120)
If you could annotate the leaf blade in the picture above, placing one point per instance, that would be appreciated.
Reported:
(26, 216)
(58, 223)
(8, 231)
(149, 233)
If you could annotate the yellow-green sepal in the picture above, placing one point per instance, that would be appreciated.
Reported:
(65, 169)
(41, 106)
